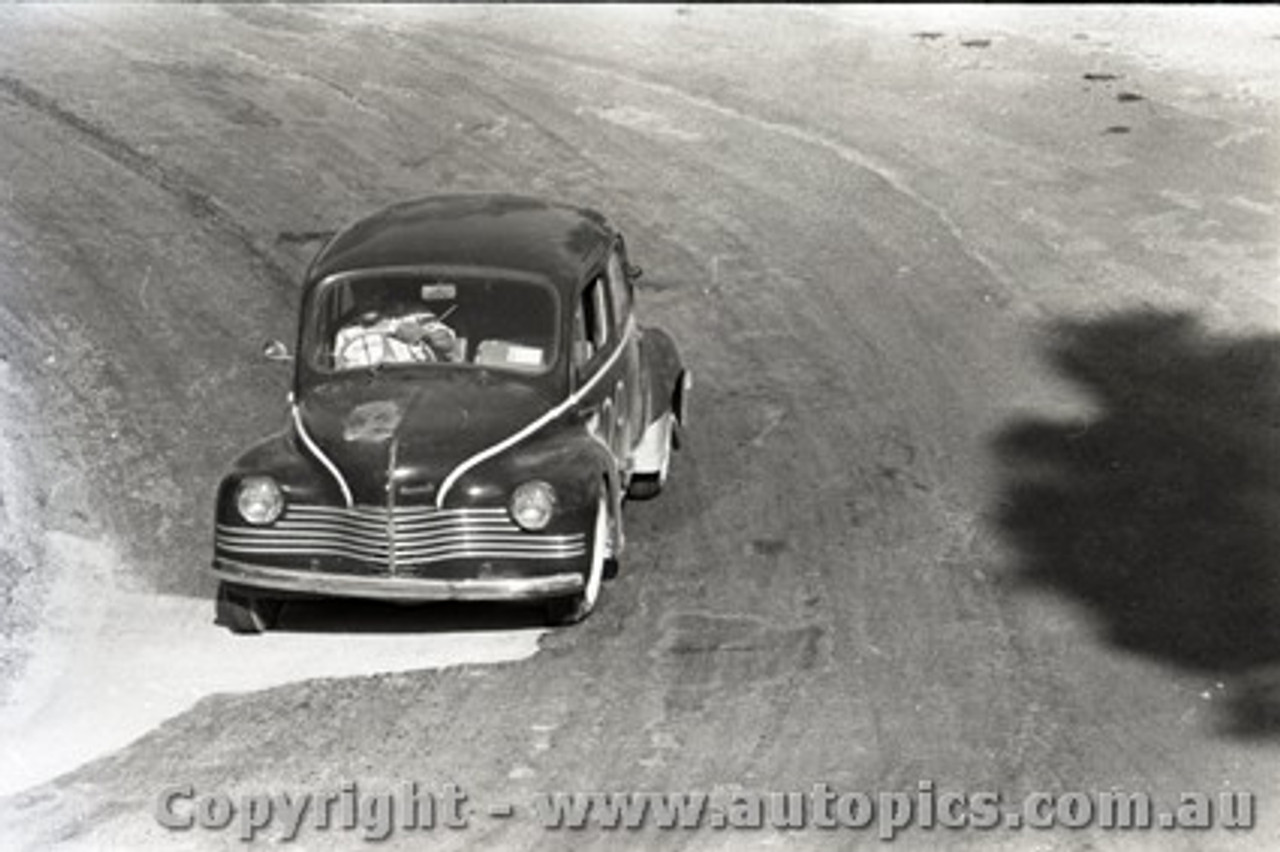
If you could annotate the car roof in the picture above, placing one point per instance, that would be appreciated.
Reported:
(496, 231)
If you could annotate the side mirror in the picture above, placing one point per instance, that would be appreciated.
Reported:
(583, 351)
(633, 272)
(274, 350)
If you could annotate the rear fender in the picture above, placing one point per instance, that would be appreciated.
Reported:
(666, 377)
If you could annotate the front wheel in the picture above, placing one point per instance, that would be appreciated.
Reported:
(574, 608)
(241, 610)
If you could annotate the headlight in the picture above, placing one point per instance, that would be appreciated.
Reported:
(532, 505)
(259, 499)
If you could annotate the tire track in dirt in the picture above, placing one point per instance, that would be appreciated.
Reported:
(889, 174)
(201, 205)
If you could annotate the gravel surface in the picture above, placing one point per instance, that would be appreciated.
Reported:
(982, 485)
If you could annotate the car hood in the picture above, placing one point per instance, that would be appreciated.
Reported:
(414, 431)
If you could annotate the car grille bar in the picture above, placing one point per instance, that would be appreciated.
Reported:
(403, 537)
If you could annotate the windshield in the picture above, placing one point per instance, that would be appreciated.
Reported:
(383, 319)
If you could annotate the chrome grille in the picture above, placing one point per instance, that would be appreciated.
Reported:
(404, 537)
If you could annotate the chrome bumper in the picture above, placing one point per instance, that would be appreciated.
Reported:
(398, 588)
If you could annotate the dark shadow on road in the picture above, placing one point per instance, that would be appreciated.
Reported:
(361, 616)
(1161, 512)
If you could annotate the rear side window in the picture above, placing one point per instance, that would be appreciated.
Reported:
(619, 288)
(592, 326)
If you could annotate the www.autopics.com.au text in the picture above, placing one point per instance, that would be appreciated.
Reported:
(376, 815)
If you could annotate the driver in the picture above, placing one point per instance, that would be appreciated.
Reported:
(408, 338)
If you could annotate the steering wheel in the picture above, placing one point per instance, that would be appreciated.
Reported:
(421, 352)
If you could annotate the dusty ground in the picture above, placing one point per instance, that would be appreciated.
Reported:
(983, 476)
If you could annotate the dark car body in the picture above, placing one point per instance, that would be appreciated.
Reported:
(452, 351)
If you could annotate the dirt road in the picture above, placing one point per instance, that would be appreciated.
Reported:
(982, 481)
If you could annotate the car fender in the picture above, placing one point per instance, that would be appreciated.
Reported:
(279, 456)
(573, 460)
(667, 380)
(568, 456)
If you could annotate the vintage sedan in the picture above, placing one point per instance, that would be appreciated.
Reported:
(473, 398)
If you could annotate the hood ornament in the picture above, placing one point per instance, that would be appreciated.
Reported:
(417, 489)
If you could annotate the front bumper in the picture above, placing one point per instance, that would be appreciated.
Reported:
(391, 588)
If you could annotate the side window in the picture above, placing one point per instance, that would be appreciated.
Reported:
(583, 349)
(592, 325)
(619, 288)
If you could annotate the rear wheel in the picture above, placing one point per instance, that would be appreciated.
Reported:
(574, 608)
(242, 610)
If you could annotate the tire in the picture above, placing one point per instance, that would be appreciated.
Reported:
(247, 612)
(646, 486)
(574, 608)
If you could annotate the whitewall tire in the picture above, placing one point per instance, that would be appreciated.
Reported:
(574, 608)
